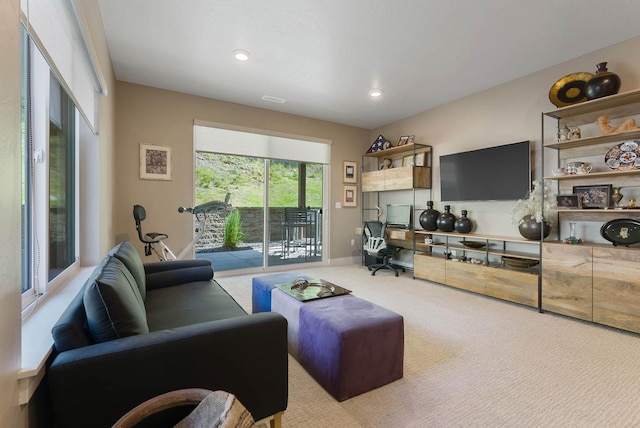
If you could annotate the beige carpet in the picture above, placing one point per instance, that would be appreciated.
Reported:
(473, 361)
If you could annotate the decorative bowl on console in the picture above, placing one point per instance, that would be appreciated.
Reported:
(473, 244)
(519, 262)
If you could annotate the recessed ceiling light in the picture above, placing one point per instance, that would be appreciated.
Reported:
(375, 93)
(241, 55)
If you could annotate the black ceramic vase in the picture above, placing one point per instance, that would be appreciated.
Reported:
(429, 218)
(447, 221)
(463, 224)
(530, 229)
(602, 84)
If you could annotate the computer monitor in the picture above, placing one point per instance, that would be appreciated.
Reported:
(399, 216)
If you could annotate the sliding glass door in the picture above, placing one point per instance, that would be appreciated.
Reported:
(259, 223)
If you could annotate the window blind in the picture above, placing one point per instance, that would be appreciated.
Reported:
(53, 26)
(235, 142)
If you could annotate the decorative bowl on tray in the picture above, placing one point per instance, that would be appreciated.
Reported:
(473, 244)
(519, 262)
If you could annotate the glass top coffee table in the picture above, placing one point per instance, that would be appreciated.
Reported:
(312, 289)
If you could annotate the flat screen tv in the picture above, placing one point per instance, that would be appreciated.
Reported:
(492, 174)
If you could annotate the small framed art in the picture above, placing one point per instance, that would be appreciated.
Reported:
(568, 202)
(410, 139)
(349, 172)
(350, 196)
(155, 162)
(407, 160)
(419, 159)
(598, 196)
(403, 140)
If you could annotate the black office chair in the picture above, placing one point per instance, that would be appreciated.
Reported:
(151, 238)
(376, 246)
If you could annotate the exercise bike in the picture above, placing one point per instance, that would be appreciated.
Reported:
(151, 239)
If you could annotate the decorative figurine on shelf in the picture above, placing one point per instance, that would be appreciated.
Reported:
(631, 203)
(563, 133)
(575, 134)
(386, 164)
(626, 126)
(616, 196)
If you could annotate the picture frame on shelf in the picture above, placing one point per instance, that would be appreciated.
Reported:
(419, 159)
(408, 160)
(568, 202)
(595, 196)
(403, 140)
(410, 139)
(350, 196)
(349, 172)
(155, 162)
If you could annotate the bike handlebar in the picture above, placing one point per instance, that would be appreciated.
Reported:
(204, 208)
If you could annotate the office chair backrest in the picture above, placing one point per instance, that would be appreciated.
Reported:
(375, 228)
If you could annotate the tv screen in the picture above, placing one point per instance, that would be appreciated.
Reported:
(492, 174)
(398, 215)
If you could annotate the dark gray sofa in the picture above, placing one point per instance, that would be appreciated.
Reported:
(139, 330)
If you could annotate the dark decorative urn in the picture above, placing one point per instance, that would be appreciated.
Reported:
(463, 224)
(602, 84)
(429, 218)
(447, 221)
(531, 229)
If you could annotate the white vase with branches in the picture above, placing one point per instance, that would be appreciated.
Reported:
(534, 207)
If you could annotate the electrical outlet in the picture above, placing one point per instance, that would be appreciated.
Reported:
(353, 242)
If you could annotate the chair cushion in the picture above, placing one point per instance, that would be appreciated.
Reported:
(113, 303)
(127, 254)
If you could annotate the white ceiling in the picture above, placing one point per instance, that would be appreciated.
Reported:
(324, 56)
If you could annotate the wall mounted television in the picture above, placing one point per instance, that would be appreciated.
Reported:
(498, 173)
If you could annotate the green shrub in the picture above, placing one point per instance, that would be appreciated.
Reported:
(233, 234)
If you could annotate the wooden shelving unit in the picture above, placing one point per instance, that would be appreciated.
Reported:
(592, 281)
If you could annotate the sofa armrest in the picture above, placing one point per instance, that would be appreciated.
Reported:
(175, 272)
(246, 356)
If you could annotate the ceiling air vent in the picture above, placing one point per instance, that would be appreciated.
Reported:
(274, 99)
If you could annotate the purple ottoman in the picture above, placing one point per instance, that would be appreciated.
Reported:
(261, 287)
(350, 346)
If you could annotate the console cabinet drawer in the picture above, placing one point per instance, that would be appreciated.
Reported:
(514, 286)
(467, 276)
(616, 287)
(567, 280)
(429, 267)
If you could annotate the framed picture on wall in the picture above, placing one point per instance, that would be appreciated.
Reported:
(349, 172)
(350, 196)
(155, 162)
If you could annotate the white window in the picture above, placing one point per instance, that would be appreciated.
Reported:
(50, 171)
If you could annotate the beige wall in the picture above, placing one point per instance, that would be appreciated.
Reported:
(504, 114)
(10, 211)
(154, 116)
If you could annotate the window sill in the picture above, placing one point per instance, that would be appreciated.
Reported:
(37, 343)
